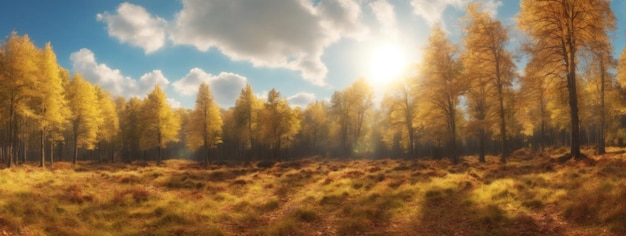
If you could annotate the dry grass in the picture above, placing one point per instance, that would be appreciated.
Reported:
(531, 195)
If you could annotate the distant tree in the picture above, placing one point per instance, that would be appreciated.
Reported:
(205, 123)
(599, 65)
(559, 29)
(86, 115)
(539, 87)
(315, 126)
(109, 128)
(490, 66)
(442, 85)
(279, 123)
(162, 124)
(340, 113)
(360, 96)
(349, 109)
(246, 115)
(132, 127)
(400, 107)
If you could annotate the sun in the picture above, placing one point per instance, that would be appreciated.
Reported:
(387, 62)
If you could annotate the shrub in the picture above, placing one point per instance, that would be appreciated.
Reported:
(283, 228)
(305, 215)
(352, 226)
(268, 206)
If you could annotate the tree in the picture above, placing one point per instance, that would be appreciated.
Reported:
(559, 29)
(621, 69)
(315, 126)
(350, 108)
(18, 83)
(340, 113)
(246, 114)
(490, 65)
(109, 128)
(50, 103)
(599, 66)
(86, 115)
(539, 87)
(132, 127)
(205, 123)
(400, 107)
(279, 123)
(442, 85)
(360, 98)
(162, 124)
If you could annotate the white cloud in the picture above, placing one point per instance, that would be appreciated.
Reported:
(386, 17)
(173, 103)
(84, 62)
(432, 11)
(188, 85)
(225, 87)
(272, 33)
(150, 79)
(301, 99)
(134, 25)
(341, 17)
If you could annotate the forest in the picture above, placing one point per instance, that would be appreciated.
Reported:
(465, 128)
(458, 102)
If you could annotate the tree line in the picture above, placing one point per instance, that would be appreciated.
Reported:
(469, 100)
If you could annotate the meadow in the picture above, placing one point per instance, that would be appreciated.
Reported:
(532, 194)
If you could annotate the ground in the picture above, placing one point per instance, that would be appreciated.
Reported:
(532, 194)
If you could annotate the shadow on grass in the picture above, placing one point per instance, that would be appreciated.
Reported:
(452, 212)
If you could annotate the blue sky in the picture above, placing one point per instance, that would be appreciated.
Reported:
(305, 49)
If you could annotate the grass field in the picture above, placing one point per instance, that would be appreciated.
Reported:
(531, 195)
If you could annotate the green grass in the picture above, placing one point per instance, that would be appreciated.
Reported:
(527, 196)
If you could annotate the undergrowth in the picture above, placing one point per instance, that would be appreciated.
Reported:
(530, 195)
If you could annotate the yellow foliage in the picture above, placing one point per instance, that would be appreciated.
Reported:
(86, 114)
(205, 121)
(161, 122)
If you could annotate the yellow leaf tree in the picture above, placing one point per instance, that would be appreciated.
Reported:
(489, 67)
(18, 83)
(539, 88)
(559, 29)
(51, 106)
(315, 127)
(86, 115)
(350, 109)
(132, 128)
(279, 123)
(109, 128)
(204, 128)
(400, 108)
(162, 123)
(442, 85)
(246, 115)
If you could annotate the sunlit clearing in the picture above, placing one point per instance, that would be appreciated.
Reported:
(387, 62)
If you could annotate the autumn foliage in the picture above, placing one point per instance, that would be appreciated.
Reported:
(460, 101)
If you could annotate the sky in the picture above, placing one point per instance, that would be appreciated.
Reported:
(305, 49)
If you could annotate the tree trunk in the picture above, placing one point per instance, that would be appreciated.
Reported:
(481, 146)
(112, 152)
(51, 152)
(601, 141)
(504, 150)
(573, 103)
(159, 149)
(75, 159)
(43, 148)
